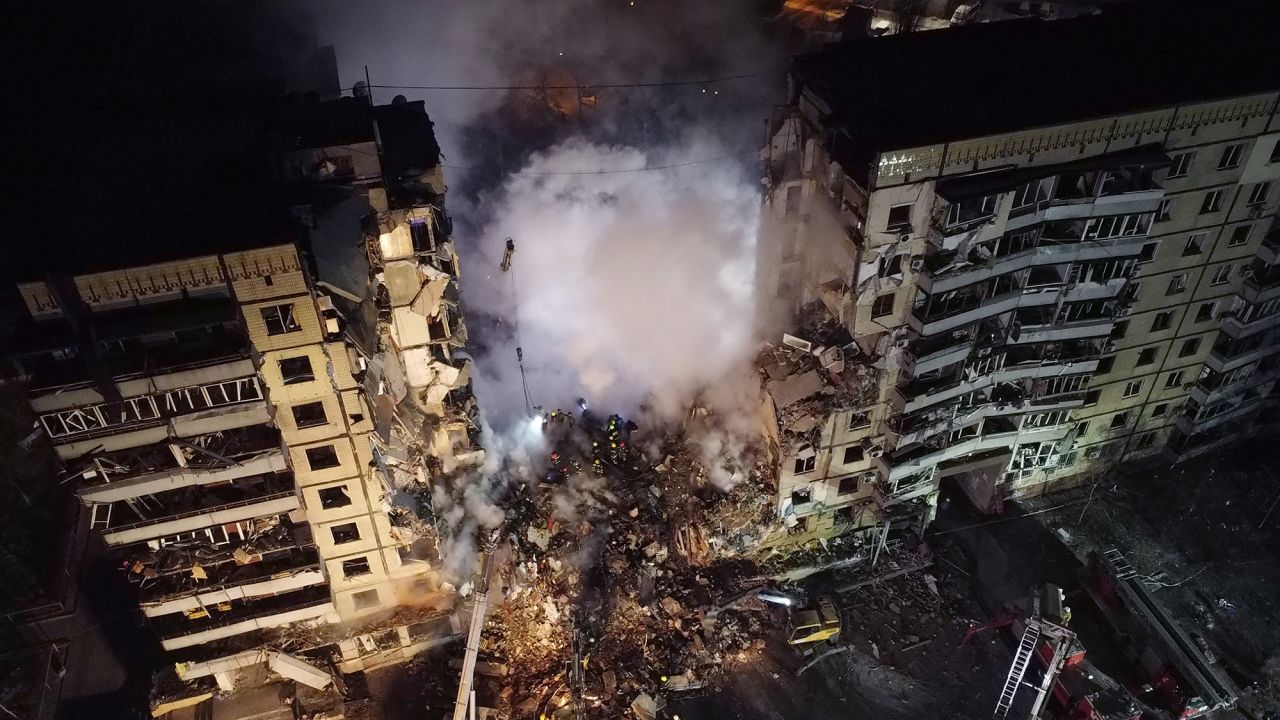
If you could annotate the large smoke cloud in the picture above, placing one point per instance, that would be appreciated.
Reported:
(634, 288)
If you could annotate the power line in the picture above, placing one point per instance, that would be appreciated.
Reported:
(580, 86)
(649, 168)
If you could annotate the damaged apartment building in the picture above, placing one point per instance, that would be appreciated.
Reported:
(1053, 260)
(255, 457)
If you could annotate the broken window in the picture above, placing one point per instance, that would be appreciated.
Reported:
(1032, 193)
(1146, 357)
(848, 485)
(806, 464)
(309, 415)
(1181, 164)
(1132, 388)
(1212, 202)
(1195, 244)
(1148, 251)
(1162, 321)
(345, 533)
(882, 306)
(296, 370)
(853, 454)
(1240, 235)
(1159, 410)
(1173, 380)
(1119, 420)
(859, 419)
(1205, 313)
(1144, 441)
(801, 495)
(1091, 397)
(365, 599)
(973, 209)
(355, 567)
(1165, 210)
(1189, 347)
(899, 217)
(323, 457)
(890, 266)
(334, 497)
(1177, 284)
(279, 319)
(420, 233)
(1118, 330)
(1105, 364)
(1231, 156)
(1222, 275)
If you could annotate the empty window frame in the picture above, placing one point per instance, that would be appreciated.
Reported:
(883, 305)
(1221, 275)
(1119, 420)
(1033, 192)
(1162, 321)
(1117, 226)
(899, 217)
(355, 567)
(1205, 312)
(1181, 164)
(309, 415)
(323, 457)
(1195, 244)
(279, 319)
(806, 464)
(1230, 157)
(848, 485)
(345, 533)
(1177, 284)
(853, 454)
(365, 599)
(973, 209)
(1165, 210)
(1173, 379)
(1258, 194)
(1132, 388)
(1189, 347)
(1159, 410)
(1144, 441)
(1275, 153)
(858, 419)
(1148, 251)
(334, 497)
(296, 370)
(1146, 357)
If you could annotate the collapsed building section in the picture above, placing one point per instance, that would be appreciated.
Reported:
(255, 443)
(1042, 292)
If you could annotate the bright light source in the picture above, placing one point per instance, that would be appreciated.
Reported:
(535, 423)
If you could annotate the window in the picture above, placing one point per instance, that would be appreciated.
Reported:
(1275, 153)
(1165, 211)
(1173, 380)
(801, 496)
(793, 200)
(899, 217)
(279, 319)
(1032, 193)
(858, 419)
(1181, 164)
(1119, 420)
(1222, 275)
(1105, 364)
(1212, 202)
(309, 415)
(1231, 156)
(334, 497)
(1189, 347)
(1146, 357)
(355, 567)
(1132, 388)
(1162, 321)
(882, 306)
(1177, 284)
(1239, 235)
(1148, 251)
(1159, 410)
(1258, 194)
(972, 209)
(853, 454)
(322, 458)
(1119, 329)
(1082, 428)
(848, 485)
(1131, 290)
(345, 533)
(365, 599)
(267, 279)
(296, 370)
(1091, 397)
(1144, 441)
(1205, 312)
(806, 464)
(1195, 244)
(890, 266)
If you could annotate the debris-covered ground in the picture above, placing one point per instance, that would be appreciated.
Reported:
(1205, 535)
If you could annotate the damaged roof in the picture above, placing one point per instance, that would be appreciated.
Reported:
(923, 88)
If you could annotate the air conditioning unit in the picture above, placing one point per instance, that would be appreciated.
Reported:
(869, 477)
(875, 452)
(902, 344)
(904, 237)
(917, 265)
(1123, 312)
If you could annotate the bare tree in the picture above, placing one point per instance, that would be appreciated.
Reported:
(907, 15)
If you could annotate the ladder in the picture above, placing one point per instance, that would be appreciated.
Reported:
(1021, 660)
(1123, 570)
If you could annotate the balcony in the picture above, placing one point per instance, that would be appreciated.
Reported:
(956, 274)
(192, 508)
(1229, 354)
(1209, 417)
(276, 573)
(1003, 440)
(1262, 283)
(965, 312)
(242, 616)
(1058, 332)
(1019, 363)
